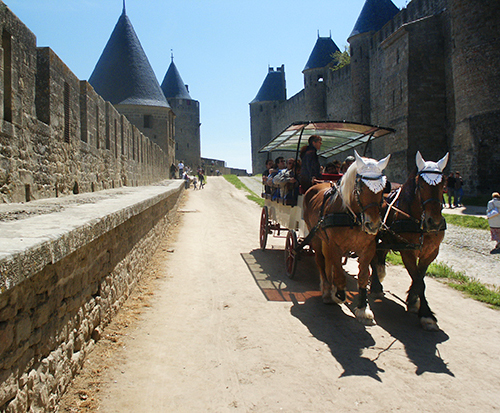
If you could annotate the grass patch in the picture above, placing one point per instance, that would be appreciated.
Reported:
(467, 221)
(481, 200)
(394, 259)
(252, 196)
(457, 280)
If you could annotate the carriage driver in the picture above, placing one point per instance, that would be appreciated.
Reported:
(310, 171)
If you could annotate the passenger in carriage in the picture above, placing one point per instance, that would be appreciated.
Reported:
(346, 164)
(279, 165)
(333, 167)
(310, 171)
(286, 182)
(265, 174)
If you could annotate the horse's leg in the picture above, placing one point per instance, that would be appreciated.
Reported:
(378, 274)
(363, 312)
(325, 283)
(413, 298)
(337, 274)
(416, 301)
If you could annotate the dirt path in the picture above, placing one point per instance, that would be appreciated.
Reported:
(224, 330)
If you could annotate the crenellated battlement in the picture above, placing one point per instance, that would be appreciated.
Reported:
(57, 136)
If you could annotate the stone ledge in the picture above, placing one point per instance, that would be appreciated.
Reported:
(42, 232)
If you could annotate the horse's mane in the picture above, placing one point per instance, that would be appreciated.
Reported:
(347, 184)
(409, 187)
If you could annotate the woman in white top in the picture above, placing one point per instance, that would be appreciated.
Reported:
(493, 214)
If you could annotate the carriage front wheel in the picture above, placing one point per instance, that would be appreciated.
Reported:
(291, 255)
(264, 228)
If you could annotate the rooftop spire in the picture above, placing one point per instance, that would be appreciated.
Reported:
(171, 55)
(172, 85)
(321, 54)
(374, 15)
(123, 74)
(274, 86)
(124, 11)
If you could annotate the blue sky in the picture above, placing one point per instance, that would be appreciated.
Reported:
(221, 48)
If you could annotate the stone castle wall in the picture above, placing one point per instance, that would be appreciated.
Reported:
(57, 294)
(432, 73)
(57, 136)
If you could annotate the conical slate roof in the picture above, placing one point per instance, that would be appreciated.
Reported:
(123, 74)
(321, 54)
(172, 85)
(374, 15)
(273, 87)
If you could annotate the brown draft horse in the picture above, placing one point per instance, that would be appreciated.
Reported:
(415, 227)
(346, 218)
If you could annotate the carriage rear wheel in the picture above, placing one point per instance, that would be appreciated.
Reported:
(291, 256)
(264, 228)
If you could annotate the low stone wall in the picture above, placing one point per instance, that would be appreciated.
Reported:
(66, 267)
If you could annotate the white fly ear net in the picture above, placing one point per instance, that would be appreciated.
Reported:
(372, 176)
(430, 177)
(431, 172)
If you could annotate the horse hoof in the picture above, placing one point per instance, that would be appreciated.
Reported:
(365, 316)
(429, 324)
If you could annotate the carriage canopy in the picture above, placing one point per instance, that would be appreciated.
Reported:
(337, 136)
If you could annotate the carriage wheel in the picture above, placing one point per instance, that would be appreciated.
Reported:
(264, 228)
(291, 256)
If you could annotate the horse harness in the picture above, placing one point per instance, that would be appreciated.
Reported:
(408, 225)
(339, 219)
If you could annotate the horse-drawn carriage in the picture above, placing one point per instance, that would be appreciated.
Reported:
(335, 219)
(285, 216)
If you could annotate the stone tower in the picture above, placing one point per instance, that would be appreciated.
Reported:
(271, 93)
(124, 77)
(475, 59)
(373, 16)
(187, 118)
(315, 73)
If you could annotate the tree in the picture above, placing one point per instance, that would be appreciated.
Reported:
(343, 58)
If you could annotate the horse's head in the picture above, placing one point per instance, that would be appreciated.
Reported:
(429, 189)
(364, 187)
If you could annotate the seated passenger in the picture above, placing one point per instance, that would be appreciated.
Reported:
(285, 180)
(265, 174)
(279, 165)
(332, 167)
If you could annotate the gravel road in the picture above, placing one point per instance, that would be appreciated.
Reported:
(463, 249)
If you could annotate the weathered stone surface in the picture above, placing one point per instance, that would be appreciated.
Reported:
(53, 317)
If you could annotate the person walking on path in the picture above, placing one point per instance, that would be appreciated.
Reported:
(450, 186)
(180, 167)
(459, 191)
(493, 214)
(201, 178)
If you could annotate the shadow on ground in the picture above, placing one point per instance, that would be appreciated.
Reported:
(336, 326)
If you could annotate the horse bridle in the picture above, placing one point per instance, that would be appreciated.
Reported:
(357, 191)
(418, 187)
(423, 203)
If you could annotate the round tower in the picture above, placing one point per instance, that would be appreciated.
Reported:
(315, 74)
(124, 77)
(187, 117)
(373, 16)
(271, 93)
